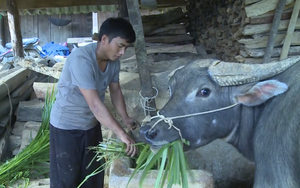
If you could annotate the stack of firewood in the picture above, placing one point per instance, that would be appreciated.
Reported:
(238, 30)
(255, 33)
(214, 23)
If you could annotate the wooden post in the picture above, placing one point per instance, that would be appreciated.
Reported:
(290, 31)
(141, 53)
(122, 9)
(273, 31)
(15, 28)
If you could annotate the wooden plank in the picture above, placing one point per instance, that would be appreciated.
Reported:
(172, 49)
(21, 89)
(264, 28)
(173, 39)
(44, 29)
(293, 51)
(29, 32)
(141, 53)
(273, 31)
(77, 29)
(248, 2)
(261, 41)
(268, 17)
(66, 30)
(291, 28)
(169, 29)
(262, 7)
(13, 80)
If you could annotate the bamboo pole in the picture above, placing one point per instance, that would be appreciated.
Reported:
(274, 29)
(290, 31)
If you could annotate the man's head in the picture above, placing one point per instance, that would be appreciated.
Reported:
(115, 35)
(117, 27)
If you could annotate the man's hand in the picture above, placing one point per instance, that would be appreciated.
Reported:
(131, 124)
(131, 149)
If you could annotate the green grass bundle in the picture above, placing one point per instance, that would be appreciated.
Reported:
(173, 168)
(169, 160)
(33, 161)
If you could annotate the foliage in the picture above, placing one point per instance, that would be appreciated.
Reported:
(33, 161)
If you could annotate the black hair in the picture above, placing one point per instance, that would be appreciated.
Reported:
(117, 27)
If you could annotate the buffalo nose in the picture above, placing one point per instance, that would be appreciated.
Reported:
(147, 134)
(151, 134)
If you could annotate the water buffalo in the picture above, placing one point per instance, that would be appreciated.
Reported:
(253, 107)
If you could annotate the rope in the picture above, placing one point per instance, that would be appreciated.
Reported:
(169, 121)
(10, 102)
(145, 103)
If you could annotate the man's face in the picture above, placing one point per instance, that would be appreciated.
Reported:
(115, 48)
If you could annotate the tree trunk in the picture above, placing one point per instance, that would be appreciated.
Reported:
(15, 28)
(141, 53)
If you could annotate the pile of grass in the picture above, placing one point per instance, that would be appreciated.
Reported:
(169, 160)
(33, 161)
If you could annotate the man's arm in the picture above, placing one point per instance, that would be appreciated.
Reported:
(118, 101)
(104, 116)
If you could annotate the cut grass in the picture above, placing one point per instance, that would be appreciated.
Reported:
(169, 160)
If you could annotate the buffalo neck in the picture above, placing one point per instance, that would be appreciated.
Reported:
(243, 138)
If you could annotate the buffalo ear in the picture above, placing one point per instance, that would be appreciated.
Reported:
(261, 92)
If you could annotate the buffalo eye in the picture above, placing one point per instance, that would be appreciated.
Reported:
(203, 92)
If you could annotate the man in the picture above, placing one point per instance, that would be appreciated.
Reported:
(79, 107)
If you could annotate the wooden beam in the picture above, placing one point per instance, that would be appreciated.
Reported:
(37, 4)
(264, 28)
(273, 31)
(290, 31)
(15, 28)
(268, 18)
(262, 7)
(141, 53)
(260, 41)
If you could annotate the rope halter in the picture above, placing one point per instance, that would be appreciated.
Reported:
(169, 121)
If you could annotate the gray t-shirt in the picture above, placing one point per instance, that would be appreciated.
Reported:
(70, 111)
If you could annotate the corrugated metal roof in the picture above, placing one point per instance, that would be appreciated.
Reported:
(68, 10)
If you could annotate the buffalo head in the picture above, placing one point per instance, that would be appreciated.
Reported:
(205, 101)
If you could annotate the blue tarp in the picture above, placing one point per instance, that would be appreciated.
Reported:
(51, 49)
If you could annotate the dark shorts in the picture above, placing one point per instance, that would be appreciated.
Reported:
(69, 158)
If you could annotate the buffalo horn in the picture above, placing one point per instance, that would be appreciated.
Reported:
(229, 74)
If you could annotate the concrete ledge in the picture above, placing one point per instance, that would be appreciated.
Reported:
(120, 173)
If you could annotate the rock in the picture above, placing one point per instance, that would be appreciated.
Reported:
(18, 128)
(130, 81)
(3, 145)
(14, 142)
(41, 89)
(30, 110)
(27, 137)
